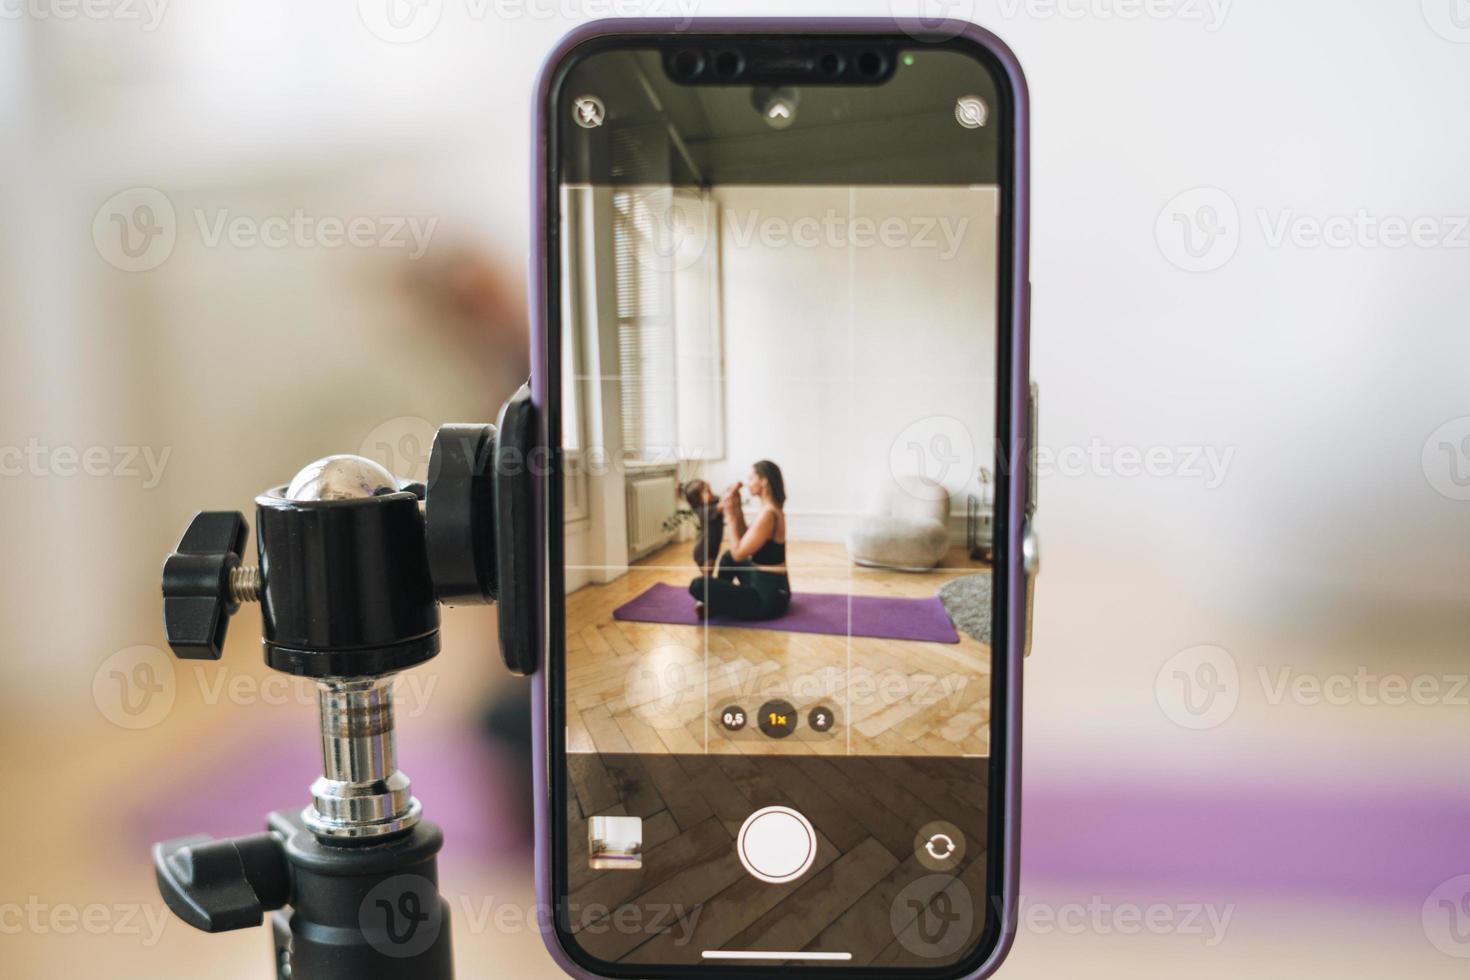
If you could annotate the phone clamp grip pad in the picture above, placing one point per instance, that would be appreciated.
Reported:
(459, 514)
(479, 516)
(515, 537)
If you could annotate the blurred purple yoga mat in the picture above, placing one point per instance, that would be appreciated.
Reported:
(811, 612)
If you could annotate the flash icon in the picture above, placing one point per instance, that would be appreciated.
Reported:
(588, 111)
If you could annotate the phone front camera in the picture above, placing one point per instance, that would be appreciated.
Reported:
(688, 65)
(870, 64)
(729, 64)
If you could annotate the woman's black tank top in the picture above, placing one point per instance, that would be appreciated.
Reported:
(773, 552)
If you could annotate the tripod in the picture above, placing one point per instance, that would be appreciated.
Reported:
(352, 566)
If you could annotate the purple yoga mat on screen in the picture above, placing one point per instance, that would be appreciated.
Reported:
(811, 612)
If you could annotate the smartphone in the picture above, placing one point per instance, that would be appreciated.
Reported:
(780, 372)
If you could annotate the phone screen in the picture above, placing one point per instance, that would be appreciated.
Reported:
(773, 613)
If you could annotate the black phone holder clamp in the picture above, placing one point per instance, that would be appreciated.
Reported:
(353, 564)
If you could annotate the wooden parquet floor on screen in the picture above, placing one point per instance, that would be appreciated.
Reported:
(654, 688)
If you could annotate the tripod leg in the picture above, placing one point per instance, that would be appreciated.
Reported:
(368, 910)
(281, 944)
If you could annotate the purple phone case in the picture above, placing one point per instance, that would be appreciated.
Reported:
(1009, 847)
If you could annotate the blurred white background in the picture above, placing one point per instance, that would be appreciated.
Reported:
(1251, 271)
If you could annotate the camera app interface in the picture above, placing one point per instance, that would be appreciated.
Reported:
(776, 327)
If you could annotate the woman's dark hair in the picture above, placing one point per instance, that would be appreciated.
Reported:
(694, 493)
(771, 473)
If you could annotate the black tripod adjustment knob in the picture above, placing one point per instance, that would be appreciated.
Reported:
(202, 584)
(219, 885)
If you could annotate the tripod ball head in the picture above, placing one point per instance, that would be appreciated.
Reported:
(341, 478)
(353, 562)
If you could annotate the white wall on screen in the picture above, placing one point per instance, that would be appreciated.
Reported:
(834, 349)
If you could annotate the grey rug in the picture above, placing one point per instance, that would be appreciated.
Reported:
(967, 600)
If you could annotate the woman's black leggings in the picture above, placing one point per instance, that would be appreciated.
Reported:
(742, 591)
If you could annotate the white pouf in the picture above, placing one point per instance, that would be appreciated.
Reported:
(907, 530)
